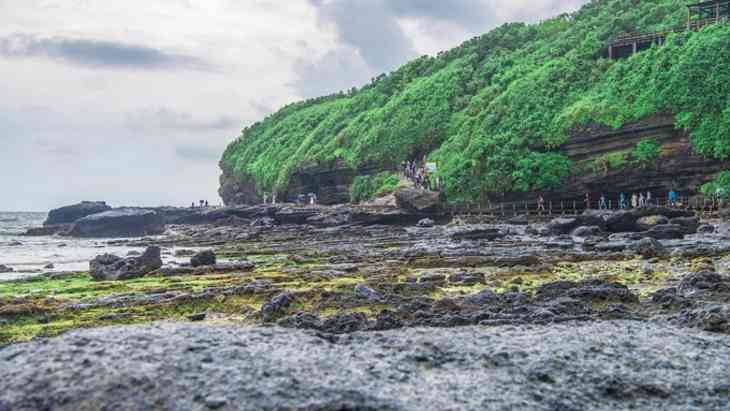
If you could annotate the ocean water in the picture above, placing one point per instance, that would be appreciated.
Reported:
(28, 256)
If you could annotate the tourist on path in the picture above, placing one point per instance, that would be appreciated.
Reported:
(634, 201)
(540, 204)
(587, 201)
(622, 201)
(602, 203)
(642, 200)
(672, 198)
(648, 198)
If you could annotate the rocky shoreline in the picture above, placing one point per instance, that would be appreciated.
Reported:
(335, 271)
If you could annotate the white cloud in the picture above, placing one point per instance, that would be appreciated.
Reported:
(130, 101)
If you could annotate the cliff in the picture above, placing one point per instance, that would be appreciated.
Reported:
(521, 109)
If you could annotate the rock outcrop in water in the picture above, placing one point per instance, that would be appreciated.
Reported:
(69, 214)
(124, 222)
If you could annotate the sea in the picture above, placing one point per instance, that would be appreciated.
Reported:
(30, 256)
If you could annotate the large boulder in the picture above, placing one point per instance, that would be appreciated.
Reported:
(628, 220)
(109, 267)
(123, 222)
(418, 201)
(561, 226)
(649, 248)
(665, 232)
(203, 258)
(5, 269)
(648, 222)
(69, 214)
(689, 224)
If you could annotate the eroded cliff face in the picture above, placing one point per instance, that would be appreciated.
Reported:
(678, 168)
(329, 181)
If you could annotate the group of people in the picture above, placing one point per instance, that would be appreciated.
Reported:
(310, 199)
(301, 199)
(637, 200)
(203, 204)
(420, 176)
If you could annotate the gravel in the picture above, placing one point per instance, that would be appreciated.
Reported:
(184, 366)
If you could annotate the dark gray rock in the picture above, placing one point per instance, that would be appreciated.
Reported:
(476, 233)
(418, 201)
(646, 223)
(109, 267)
(69, 214)
(366, 293)
(426, 223)
(706, 229)
(484, 297)
(587, 231)
(263, 222)
(518, 220)
(689, 225)
(665, 232)
(193, 366)
(560, 226)
(123, 222)
(5, 269)
(203, 258)
(277, 307)
(649, 248)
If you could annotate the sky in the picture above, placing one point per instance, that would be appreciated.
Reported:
(133, 102)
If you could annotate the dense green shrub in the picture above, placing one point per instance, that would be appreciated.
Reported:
(494, 111)
(646, 151)
(366, 188)
(719, 186)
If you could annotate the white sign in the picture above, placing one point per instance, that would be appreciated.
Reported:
(431, 167)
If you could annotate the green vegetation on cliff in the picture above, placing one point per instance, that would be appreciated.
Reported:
(494, 111)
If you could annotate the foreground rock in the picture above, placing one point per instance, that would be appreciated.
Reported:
(69, 214)
(5, 269)
(612, 365)
(123, 222)
(109, 267)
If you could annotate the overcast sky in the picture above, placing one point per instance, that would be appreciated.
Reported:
(134, 101)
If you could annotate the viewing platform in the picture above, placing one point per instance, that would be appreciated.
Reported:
(699, 15)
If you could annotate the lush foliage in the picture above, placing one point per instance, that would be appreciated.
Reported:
(719, 186)
(368, 187)
(606, 162)
(494, 111)
(646, 151)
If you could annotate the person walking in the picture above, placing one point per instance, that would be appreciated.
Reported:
(602, 204)
(648, 198)
(587, 201)
(672, 198)
(634, 200)
(642, 200)
(540, 204)
(622, 201)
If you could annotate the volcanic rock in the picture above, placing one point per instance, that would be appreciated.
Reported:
(203, 258)
(123, 222)
(69, 214)
(109, 267)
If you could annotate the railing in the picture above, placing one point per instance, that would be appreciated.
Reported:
(701, 205)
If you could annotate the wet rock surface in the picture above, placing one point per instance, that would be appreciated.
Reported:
(339, 274)
(570, 366)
